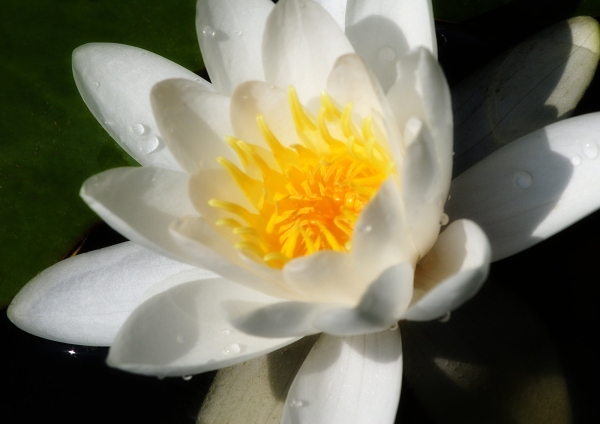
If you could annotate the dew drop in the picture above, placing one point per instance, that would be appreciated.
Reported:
(445, 318)
(180, 339)
(148, 145)
(394, 327)
(186, 377)
(576, 160)
(239, 33)
(227, 332)
(444, 219)
(589, 148)
(139, 129)
(449, 196)
(523, 179)
(365, 228)
(232, 349)
(387, 54)
(96, 84)
(296, 403)
(208, 31)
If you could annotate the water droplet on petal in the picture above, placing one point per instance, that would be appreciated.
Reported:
(445, 318)
(148, 145)
(96, 84)
(180, 339)
(387, 54)
(296, 403)
(444, 219)
(239, 33)
(227, 332)
(576, 160)
(208, 31)
(523, 179)
(394, 327)
(186, 377)
(589, 147)
(232, 349)
(139, 129)
(449, 196)
(365, 228)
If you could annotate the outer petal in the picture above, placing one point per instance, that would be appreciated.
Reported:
(85, 299)
(194, 123)
(538, 82)
(351, 380)
(301, 44)
(141, 203)
(533, 187)
(337, 10)
(230, 33)
(383, 31)
(182, 331)
(451, 273)
(115, 81)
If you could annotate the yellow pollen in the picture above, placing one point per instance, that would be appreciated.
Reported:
(312, 202)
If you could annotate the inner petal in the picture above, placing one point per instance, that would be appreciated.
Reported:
(306, 197)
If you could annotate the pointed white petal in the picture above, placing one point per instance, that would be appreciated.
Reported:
(350, 380)
(230, 33)
(384, 31)
(538, 82)
(451, 273)
(85, 299)
(115, 82)
(194, 123)
(421, 91)
(534, 187)
(381, 307)
(381, 236)
(337, 10)
(302, 42)
(141, 204)
(207, 249)
(182, 331)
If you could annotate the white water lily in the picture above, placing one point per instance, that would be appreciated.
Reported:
(341, 146)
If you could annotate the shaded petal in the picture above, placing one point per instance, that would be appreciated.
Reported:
(383, 31)
(538, 82)
(182, 331)
(141, 204)
(194, 123)
(337, 10)
(207, 249)
(534, 187)
(381, 307)
(451, 273)
(86, 298)
(354, 380)
(230, 33)
(301, 44)
(421, 91)
(115, 81)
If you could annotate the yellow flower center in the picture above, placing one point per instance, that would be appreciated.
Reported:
(312, 201)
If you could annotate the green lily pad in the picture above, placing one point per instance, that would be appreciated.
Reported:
(50, 141)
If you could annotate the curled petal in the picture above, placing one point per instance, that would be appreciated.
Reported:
(182, 331)
(451, 273)
(83, 299)
(354, 380)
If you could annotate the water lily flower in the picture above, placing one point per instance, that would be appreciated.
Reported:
(301, 191)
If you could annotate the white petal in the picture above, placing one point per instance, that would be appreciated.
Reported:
(421, 91)
(259, 98)
(85, 299)
(182, 331)
(381, 307)
(351, 380)
(384, 31)
(451, 273)
(141, 204)
(337, 10)
(534, 187)
(115, 81)
(302, 42)
(538, 82)
(381, 235)
(230, 33)
(209, 250)
(423, 191)
(194, 123)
